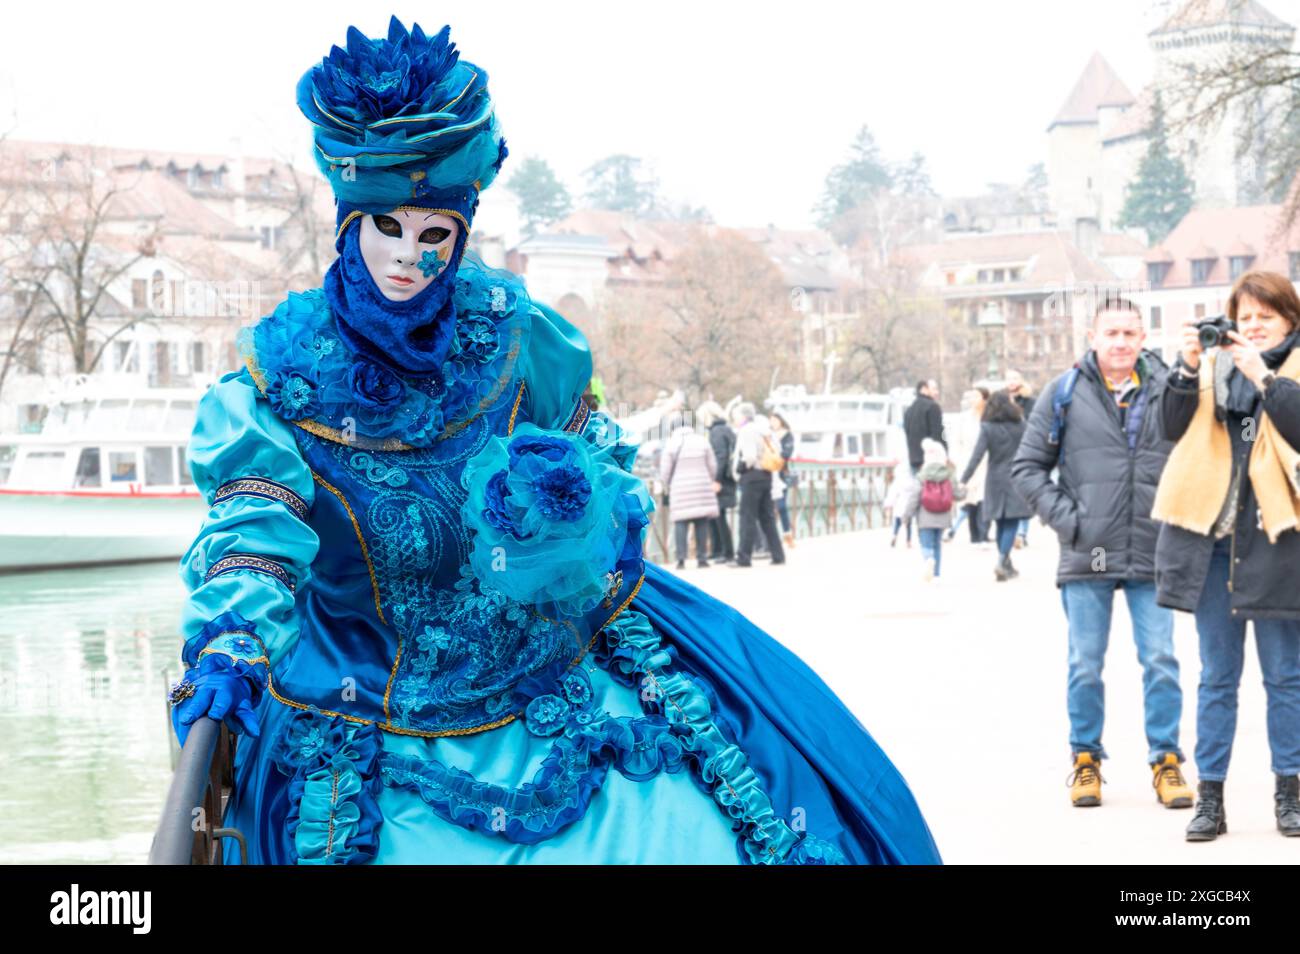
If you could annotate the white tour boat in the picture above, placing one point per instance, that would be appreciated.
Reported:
(106, 479)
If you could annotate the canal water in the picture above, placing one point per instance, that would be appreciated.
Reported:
(86, 657)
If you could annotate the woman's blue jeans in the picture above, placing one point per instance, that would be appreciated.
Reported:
(1223, 650)
(1088, 606)
(1006, 534)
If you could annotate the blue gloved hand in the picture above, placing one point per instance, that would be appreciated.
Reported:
(224, 688)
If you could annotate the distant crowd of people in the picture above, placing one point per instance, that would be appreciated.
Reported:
(1178, 486)
(743, 462)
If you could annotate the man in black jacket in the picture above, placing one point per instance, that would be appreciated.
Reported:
(1099, 424)
(923, 418)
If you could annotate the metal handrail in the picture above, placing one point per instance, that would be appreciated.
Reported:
(189, 830)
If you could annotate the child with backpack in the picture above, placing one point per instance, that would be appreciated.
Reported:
(931, 501)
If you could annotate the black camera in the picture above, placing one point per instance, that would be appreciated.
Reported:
(1213, 332)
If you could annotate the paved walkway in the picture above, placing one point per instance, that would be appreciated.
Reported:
(963, 684)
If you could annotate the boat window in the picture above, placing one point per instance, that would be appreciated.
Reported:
(122, 465)
(7, 454)
(869, 448)
(146, 415)
(853, 445)
(88, 469)
(180, 417)
(158, 466)
(810, 437)
(43, 469)
(110, 417)
(839, 446)
(183, 468)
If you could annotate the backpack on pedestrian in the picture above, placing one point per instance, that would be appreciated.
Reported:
(937, 496)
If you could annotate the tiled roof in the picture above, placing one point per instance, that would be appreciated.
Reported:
(1098, 86)
(1048, 258)
(1203, 230)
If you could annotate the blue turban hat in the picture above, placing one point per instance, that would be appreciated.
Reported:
(402, 121)
(399, 123)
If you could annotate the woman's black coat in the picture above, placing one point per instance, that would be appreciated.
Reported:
(1000, 440)
(1264, 581)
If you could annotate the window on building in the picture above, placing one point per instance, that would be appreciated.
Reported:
(158, 293)
(1156, 318)
(985, 275)
(1239, 265)
(1293, 259)
(1201, 268)
(196, 357)
(139, 294)
(1156, 273)
(1199, 312)
(88, 469)
(125, 357)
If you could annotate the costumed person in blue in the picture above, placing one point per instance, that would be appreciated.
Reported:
(419, 596)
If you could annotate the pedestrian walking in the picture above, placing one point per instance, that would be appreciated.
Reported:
(786, 478)
(923, 418)
(1001, 428)
(723, 441)
(687, 469)
(757, 459)
(930, 501)
(963, 444)
(896, 498)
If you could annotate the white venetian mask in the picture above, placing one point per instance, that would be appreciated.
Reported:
(405, 251)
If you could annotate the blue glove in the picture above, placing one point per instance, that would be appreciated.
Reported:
(223, 688)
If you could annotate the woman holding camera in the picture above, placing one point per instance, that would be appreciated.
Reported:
(1229, 500)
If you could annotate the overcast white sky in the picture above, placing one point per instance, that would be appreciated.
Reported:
(741, 107)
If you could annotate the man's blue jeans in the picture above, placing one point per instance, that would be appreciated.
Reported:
(1223, 650)
(1088, 606)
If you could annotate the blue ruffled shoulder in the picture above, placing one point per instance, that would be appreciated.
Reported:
(556, 367)
(310, 376)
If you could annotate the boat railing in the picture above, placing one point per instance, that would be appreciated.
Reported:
(190, 830)
(827, 497)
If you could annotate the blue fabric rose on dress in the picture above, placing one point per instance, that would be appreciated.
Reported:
(552, 516)
(477, 338)
(374, 386)
(546, 715)
(292, 396)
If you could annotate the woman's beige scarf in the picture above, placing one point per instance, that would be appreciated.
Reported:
(1196, 478)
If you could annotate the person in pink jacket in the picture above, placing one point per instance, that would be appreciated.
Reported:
(689, 470)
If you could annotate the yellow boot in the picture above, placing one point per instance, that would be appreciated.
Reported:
(1085, 781)
(1172, 790)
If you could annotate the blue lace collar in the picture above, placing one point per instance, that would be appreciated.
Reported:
(311, 377)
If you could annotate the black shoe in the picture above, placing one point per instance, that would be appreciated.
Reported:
(702, 564)
(1008, 568)
(681, 564)
(1210, 820)
(1286, 805)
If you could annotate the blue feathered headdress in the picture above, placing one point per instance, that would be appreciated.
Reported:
(402, 122)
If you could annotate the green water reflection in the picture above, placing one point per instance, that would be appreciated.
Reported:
(84, 740)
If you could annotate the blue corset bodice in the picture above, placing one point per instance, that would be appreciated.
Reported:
(434, 652)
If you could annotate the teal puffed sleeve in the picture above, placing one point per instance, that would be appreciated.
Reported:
(556, 368)
(255, 548)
